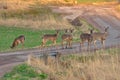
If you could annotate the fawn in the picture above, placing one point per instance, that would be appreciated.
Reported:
(50, 37)
(86, 37)
(100, 36)
(18, 40)
(67, 37)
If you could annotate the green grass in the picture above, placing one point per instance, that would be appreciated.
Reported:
(33, 37)
(24, 72)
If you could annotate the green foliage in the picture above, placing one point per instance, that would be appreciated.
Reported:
(43, 76)
(24, 72)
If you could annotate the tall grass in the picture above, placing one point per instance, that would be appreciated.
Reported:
(101, 65)
(36, 17)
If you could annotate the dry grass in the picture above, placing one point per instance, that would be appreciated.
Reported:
(16, 4)
(103, 66)
(46, 24)
(32, 14)
(25, 4)
(24, 13)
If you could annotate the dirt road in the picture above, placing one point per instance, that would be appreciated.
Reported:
(99, 17)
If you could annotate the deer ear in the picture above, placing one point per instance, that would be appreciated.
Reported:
(71, 30)
(106, 28)
(66, 30)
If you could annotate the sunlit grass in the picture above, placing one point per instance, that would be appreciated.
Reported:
(36, 17)
(93, 1)
(33, 37)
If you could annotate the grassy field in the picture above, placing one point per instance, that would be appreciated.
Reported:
(100, 65)
(33, 37)
(33, 19)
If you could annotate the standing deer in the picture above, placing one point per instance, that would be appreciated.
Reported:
(86, 37)
(98, 36)
(50, 37)
(18, 40)
(67, 37)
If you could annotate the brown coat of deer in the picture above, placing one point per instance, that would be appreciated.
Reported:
(86, 37)
(18, 40)
(50, 37)
(67, 37)
(98, 36)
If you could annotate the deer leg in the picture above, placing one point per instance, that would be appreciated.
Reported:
(103, 43)
(88, 46)
(62, 45)
(80, 45)
(71, 44)
(43, 44)
(94, 44)
(55, 44)
(67, 44)
(22, 45)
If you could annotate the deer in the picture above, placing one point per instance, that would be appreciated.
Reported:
(100, 36)
(18, 40)
(50, 37)
(67, 37)
(86, 37)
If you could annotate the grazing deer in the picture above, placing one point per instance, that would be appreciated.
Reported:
(100, 36)
(18, 40)
(50, 37)
(67, 37)
(86, 37)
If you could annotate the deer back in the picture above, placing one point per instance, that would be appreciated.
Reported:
(50, 36)
(99, 35)
(68, 36)
(86, 37)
